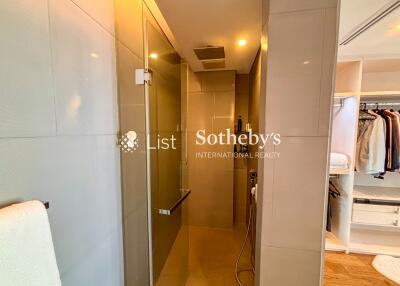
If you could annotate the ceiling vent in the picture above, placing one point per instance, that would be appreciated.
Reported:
(212, 57)
(374, 19)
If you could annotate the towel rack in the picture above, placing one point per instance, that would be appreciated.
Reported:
(168, 212)
(46, 205)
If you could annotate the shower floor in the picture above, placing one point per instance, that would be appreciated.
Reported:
(212, 256)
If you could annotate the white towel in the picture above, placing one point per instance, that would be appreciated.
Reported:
(339, 161)
(27, 255)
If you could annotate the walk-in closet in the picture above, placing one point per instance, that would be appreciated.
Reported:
(363, 214)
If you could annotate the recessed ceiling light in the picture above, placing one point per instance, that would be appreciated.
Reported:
(94, 55)
(306, 62)
(242, 43)
(153, 56)
(398, 27)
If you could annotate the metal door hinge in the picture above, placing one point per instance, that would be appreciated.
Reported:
(143, 76)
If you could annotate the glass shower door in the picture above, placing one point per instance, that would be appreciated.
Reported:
(168, 233)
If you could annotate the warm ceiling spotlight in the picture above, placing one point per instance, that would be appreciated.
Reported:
(398, 27)
(242, 43)
(306, 62)
(154, 56)
(94, 55)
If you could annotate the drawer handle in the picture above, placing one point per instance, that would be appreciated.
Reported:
(396, 222)
(397, 211)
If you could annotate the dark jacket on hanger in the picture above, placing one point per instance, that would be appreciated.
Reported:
(395, 139)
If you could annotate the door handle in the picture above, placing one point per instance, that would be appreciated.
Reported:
(184, 195)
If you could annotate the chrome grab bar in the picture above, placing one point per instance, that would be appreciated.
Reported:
(184, 195)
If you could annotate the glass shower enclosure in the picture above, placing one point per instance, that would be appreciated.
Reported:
(169, 235)
(155, 233)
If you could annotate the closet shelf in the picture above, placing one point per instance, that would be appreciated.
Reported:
(377, 193)
(345, 94)
(370, 94)
(373, 94)
(336, 171)
(374, 249)
(375, 227)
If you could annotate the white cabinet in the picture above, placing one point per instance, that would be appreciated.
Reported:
(376, 215)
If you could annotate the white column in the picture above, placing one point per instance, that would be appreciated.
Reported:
(297, 69)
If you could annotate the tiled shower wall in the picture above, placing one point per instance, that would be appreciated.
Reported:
(58, 125)
(211, 106)
(297, 82)
(240, 197)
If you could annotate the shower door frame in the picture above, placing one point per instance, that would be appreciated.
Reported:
(149, 19)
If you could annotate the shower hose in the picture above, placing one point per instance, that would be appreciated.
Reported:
(237, 271)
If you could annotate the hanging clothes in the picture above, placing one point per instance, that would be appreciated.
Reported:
(395, 141)
(371, 146)
(397, 114)
(333, 194)
(389, 139)
(378, 142)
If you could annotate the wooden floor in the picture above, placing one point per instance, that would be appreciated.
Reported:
(352, 270)
(213, 252)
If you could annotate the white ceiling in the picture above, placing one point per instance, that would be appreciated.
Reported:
(196, 23)
(380, 41)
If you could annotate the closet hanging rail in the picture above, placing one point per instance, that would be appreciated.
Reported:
(380, 104)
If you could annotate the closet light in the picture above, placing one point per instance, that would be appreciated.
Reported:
(154, 56)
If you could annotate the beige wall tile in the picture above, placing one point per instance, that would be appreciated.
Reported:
(294, 72)
(128, 25)
(328, 71)
(200, 111)
(84, 72)
(210, 179)
(294, 224)
(102, 12)
(242, 88)
(298, 92)
(128, 62)
(224, 104)
(290, 267)
(27, 102)
(218, 81)
(242, 83)
(240, 195)
(194, 81)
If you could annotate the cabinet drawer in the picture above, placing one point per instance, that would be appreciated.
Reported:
(376, 218)
(377, 208)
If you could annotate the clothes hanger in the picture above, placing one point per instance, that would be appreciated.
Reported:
(333, 190)
(377, 107)
(364, 114)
